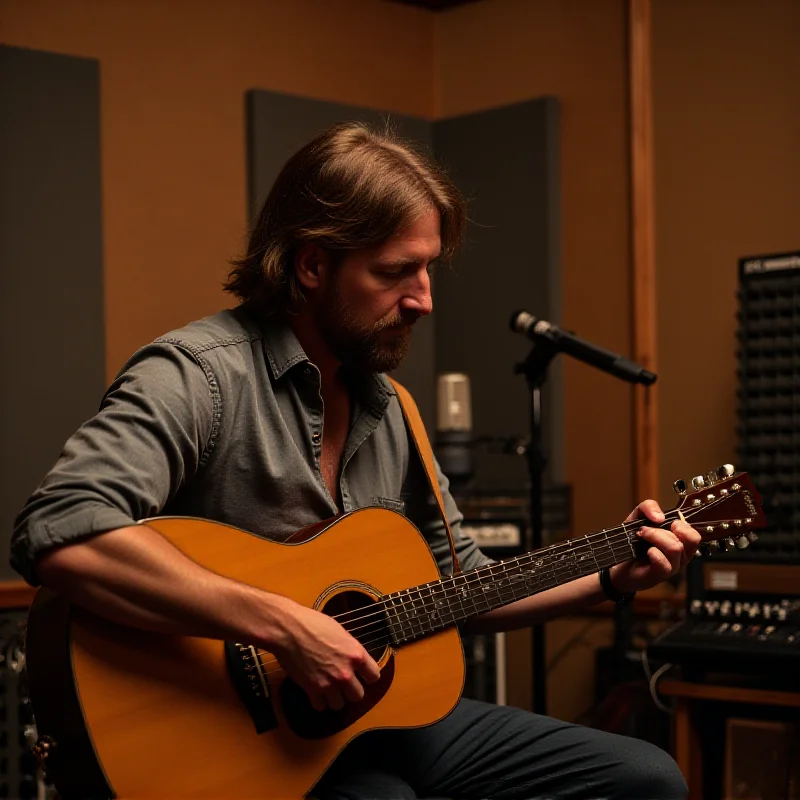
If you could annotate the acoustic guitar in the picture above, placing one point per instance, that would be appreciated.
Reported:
(130, 714)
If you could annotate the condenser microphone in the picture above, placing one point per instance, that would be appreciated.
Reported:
(454, 426)
(537, 329)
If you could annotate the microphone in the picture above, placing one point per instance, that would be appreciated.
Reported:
(454, 427)
(539, 329)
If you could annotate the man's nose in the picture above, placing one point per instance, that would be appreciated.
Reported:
(418, 298)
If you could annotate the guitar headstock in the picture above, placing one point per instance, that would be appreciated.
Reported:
(724, 508)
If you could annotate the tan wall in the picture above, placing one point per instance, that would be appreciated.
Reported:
(726, 94)
(173, 77)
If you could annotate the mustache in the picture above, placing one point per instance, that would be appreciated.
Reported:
(402, 320)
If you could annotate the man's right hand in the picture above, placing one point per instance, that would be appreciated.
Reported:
(329, 663)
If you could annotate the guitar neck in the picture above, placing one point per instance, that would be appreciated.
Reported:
(421, 610)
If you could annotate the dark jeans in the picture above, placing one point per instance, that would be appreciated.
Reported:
(486, 751)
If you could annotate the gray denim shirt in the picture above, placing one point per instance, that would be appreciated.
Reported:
(222, 420)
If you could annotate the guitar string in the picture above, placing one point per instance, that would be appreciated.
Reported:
(383, 640)
(470, 580)
(450, 582)
(447, 584)
(571, 546)
(529, 557)
(619, 536)
(273, 668)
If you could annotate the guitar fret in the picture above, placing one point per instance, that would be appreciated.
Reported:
(493, 587)
(425, 595)
(421, 610)
(629, 539)
(465, 594)
(392, 620)
(451, 593)
(611, 547)
(591, 550)
(411, 612)
(481, 593)
(441, 608)
(408, 627)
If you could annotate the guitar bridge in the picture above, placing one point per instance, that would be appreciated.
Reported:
(252, 684)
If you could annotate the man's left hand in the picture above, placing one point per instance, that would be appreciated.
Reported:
(671, 550)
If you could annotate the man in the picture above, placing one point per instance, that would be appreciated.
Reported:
(276, 415)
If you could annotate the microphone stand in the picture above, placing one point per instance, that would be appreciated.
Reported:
(534, 368)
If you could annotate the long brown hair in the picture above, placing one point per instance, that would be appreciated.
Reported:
(351, 187)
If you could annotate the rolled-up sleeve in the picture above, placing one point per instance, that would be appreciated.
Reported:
(154, 425)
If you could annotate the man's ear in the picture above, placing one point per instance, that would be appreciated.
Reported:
(311, 263)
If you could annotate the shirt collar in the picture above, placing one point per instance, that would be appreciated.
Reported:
(283, 351)
(281, 347)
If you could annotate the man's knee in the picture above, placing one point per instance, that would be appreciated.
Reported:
(652, 773)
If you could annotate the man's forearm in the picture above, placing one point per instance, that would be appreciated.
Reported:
(569, 598)
(136, 577)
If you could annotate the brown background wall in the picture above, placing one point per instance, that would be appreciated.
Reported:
(726, 95)
(173, 77)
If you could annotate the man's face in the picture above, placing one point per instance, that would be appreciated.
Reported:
(374, 296)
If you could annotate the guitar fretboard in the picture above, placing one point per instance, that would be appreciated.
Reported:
(424, 609)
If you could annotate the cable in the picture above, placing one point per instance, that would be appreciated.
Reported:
(652, 681)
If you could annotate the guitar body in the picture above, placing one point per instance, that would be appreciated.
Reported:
(133, 714)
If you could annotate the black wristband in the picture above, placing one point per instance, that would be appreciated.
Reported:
(608, 588)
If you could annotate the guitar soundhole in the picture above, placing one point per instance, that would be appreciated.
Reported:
(363, 618)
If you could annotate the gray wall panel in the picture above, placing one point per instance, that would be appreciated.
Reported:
(506, 161)
(52, 346)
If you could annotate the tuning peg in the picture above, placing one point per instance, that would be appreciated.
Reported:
(704, 550)
(729, 542)
(711, 478)
(699, 482)
(680, 487)
(752, 536)
(742, 542)
(725, 471)
(724, 545)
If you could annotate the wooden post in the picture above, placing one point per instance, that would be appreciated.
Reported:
(643, 246)
(687, 748)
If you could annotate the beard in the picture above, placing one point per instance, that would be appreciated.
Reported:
(373, 347)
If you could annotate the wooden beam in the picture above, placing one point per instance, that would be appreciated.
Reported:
(643, 246)
(729, 694)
